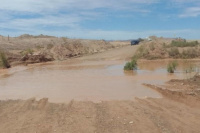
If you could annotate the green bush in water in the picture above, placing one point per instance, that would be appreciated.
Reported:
(171, 67)
(131, 65)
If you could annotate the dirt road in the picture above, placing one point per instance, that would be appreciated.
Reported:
(141, 115)
(170, 114)
(123, 53)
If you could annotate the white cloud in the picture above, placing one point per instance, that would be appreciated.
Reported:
(69, 21)
(30, 15)
(66, 16)
(54, 5)
(186, 8)
(185, 1)
(191, 12)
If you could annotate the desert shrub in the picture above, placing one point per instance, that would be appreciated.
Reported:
(49, 46)
(30, 51)
(171, 67)
(4, 61)
(131, 65)
(185, 54)
(39, 47)
(152, 47)
(164, 45)
(190, 69)
(145, 53)
(184, 43)
(141, 52)
(173, 52)
(27, 51)
(141, 49)
(77, 43)
(190, 53)
(64, 39)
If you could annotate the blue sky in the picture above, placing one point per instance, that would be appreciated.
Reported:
(101, 19)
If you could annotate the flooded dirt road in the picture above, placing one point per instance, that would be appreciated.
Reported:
(84, 79)
(91, 79)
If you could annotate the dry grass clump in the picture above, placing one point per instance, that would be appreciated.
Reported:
(3, 60)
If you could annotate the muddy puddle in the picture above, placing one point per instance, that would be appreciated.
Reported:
(95, 81)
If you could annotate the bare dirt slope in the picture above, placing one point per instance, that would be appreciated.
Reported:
(34, 49)
(174, 113)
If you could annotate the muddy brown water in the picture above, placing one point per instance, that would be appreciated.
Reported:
(87, 80)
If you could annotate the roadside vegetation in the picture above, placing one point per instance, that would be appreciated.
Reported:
(174, 52)
(160, 49)
(3, 60)
(188, 53)
(142, 51)
(131, 65)
(147, 52)
(184, 43)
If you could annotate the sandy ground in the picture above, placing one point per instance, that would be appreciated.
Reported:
(176, 112)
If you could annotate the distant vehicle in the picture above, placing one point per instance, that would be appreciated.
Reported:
(135, 42)
(149, 39)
